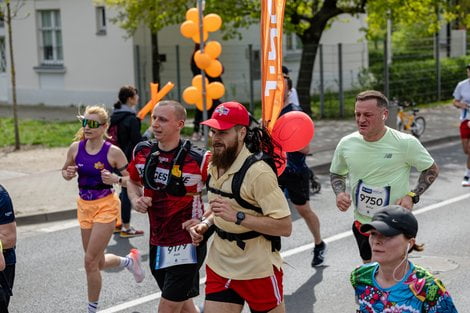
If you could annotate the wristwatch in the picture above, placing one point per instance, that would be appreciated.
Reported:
(240, 217)
(414, 197)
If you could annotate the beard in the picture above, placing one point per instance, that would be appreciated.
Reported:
(225, 158)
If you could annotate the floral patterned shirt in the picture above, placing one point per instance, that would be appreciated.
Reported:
(419, 291)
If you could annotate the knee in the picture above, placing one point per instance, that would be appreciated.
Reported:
(304, 209)
(91, 264)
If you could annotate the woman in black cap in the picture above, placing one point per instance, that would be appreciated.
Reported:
(392, 283)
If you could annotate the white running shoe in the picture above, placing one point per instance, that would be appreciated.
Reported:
(466, 181)
(136, 268)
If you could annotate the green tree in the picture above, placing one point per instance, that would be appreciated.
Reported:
(306, 18)
(7, 13)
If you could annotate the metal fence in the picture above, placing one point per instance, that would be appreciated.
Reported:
(422, 71)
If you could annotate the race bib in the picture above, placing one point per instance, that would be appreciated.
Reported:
(175, 255)
(369, 199)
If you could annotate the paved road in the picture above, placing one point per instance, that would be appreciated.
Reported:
(51, 278)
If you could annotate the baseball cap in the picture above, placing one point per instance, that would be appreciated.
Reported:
(393, 220)
(227, 115)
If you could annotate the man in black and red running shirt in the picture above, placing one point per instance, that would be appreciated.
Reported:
(166, 180)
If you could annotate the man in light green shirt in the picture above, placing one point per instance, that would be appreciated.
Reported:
(377, 161)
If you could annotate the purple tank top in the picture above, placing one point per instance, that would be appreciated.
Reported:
(90, 185)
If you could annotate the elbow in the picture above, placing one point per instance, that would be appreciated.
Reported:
(287, 228)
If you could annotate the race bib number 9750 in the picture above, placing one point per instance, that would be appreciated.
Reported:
(369, 198)
(175, 255)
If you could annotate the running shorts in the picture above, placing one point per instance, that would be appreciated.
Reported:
(261, 294)
(297, 185)
(104, 210)
(181, 282)
(362, 241)
(464, 129)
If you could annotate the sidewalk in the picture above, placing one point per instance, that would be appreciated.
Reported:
(39, 193)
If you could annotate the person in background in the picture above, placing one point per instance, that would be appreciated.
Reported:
(293, 97)
(392, 283)
(7, 248)
(128, 136)
(215, 102)
(295, 180)
(95, 160)
(462, 101)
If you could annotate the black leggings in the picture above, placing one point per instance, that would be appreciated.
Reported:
(125, 206)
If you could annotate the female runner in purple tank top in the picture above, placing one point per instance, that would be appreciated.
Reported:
(94, 159)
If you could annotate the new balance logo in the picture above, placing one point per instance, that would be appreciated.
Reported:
(388, 156)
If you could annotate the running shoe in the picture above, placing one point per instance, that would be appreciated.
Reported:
(136, 268)
(319, 254)
(466, 181)
(130, 232)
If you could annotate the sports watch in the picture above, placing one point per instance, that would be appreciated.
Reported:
(240, 217)
(414, 197)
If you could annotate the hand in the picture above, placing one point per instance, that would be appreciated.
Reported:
(343, 201)
(109, 178)
(406, 202)
(197, 233)
(70, 172)
(190, 223)
(223, 209)
(141, 204)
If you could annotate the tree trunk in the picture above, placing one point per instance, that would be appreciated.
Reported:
(13, 78)
(155, 58)
(304, 81)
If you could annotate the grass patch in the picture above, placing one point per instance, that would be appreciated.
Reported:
(47, 133)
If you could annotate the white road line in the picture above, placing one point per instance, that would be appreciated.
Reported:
(284, 254)
(61, 226)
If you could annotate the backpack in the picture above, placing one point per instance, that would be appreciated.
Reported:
(236, 186)
(113, 131)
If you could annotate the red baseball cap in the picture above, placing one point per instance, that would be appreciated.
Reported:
(227, 115)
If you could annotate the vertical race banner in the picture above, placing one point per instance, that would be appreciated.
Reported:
(272, 80)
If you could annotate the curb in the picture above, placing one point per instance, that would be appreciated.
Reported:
(72, 213)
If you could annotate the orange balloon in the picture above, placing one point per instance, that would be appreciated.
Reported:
(212, 22)
(188, 29)
(190, 95)
(193, 15)
(199, 104)
(197, 82)
(197, 39)
(213, 49)
(214, 69)
(216, 90)
(202, 60)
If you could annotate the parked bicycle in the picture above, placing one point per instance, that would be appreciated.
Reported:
(409, 120)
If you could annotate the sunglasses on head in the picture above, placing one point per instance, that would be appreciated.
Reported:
(90, 123)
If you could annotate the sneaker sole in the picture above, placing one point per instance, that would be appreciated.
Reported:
(125, 235)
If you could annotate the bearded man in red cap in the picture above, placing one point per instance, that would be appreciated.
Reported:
(249, 214)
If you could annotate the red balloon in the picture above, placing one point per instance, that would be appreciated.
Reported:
(293, 131)
(281, 166)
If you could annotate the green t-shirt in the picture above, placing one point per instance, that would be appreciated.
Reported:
(382, 166)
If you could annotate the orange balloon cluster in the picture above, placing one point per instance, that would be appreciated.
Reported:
(190, 28)
(193, 94)
(205, 60)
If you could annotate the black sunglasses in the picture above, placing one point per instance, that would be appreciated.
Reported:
(90, 123)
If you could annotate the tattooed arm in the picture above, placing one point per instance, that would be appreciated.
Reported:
(343, 199)
(426, 178)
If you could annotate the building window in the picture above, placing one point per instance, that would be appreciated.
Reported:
(50, 37)
(100, 21)
(293, 43)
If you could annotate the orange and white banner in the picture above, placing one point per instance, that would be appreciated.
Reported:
(272, 81)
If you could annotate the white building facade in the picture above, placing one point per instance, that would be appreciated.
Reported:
(67, 52)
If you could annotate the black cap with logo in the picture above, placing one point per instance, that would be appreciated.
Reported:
(393, 220)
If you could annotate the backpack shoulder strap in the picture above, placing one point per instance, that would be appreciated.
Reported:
(240, 176)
